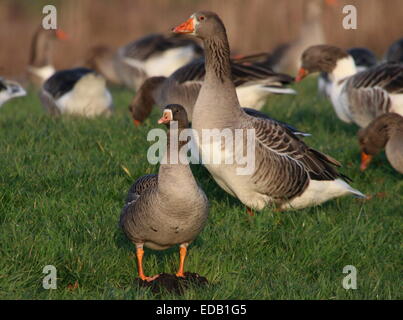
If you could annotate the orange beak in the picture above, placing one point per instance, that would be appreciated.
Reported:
(136, 122)
(365, 160)
(302, 73)
(166, 117)
(331, 2)
(61, 35)
(186, 27)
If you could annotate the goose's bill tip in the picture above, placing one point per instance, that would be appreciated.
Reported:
(186, 27)
(365, 160)
(302, 73)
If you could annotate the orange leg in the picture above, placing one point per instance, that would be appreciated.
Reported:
(140, 254)
(182, 256)
(249, 211)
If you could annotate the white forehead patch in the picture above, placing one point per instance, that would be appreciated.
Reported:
(170, 113)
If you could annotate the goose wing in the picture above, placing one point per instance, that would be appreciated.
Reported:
(369, 91)
(142, 184)
(387, 76)
(285, 164)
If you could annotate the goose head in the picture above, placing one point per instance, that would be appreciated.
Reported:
(320, 58)
(143, 101)
(202, 24)
(374, 137)
(175, 112)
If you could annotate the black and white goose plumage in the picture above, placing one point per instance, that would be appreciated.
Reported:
(10, 89)
(78, 91)
(154, 55)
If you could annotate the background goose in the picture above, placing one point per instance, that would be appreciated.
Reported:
(78, 91)
(10, 89)
(386, 131)
(253, 84)
(40, 65)
(356, 97)
(285, 58)
(395, 52)
(158, 214)
(286, 171)
(363, 59)
(103, 60)
(154, 55)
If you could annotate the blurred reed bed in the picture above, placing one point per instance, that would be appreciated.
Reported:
(253, 25)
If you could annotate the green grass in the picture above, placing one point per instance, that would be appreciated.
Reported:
(63, 183)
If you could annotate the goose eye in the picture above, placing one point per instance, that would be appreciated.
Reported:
(201, 18)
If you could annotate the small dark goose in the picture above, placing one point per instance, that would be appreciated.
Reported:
(385, 132)
(9, 90)
(158, 213)
(363, 59)
(356, 97)
(154, 55)
(40, 66)
(286, 171)
(78, 91)
(254, 83)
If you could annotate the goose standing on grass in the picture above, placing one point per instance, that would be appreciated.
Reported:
(253, 85)
(395, 52)
(154, 55)
(286, 172)
(10, 89)
(158, 213)
(356, 97)
(40, 66)
(386, 131)
(78, 91)
(363, 59)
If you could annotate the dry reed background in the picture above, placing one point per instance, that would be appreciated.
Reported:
(253, 25)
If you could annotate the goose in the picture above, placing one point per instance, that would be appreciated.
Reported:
(40, 66)
(154, 55)
(253, 85)
(386, 131)
(356, 97)
(9, 90)
(158, 214)
(285, 171)
(285, 58)
(395, 52)
(102, 59)
(78, 91)
(363, 59)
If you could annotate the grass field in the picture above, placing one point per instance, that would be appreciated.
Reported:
(63, 182)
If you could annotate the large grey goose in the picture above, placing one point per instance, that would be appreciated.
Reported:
(356, 97)
(254, 83)
(78, 91)
(286, 171)
(154, 55)
(10, 89)
(385, 132)
(158, 213)
(40, 66)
